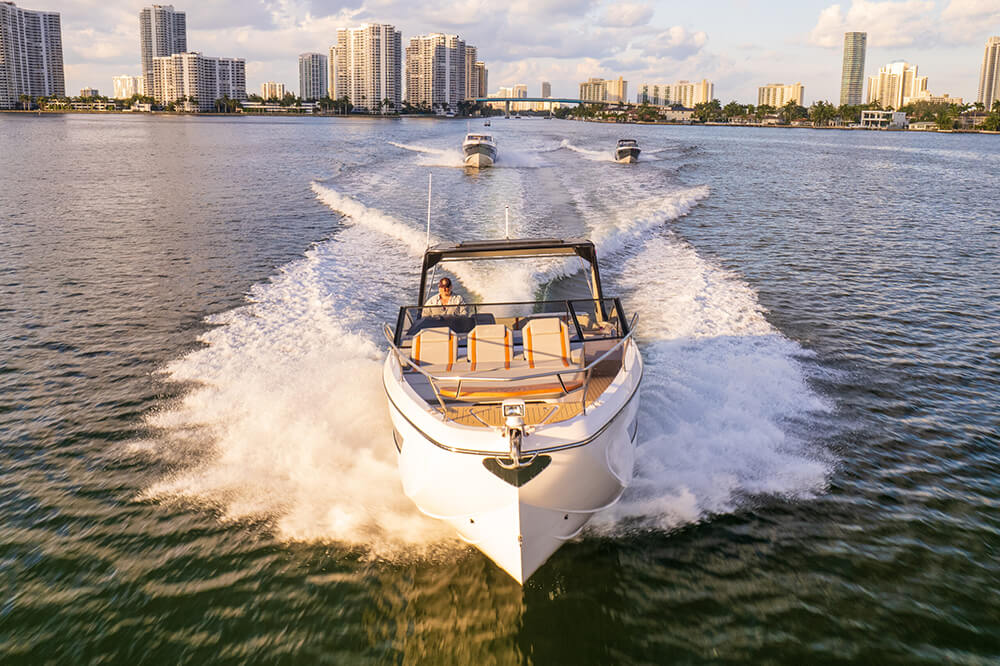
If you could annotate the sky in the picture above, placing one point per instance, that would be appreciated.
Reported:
(739, 45)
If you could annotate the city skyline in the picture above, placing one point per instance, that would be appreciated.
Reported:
(571, 41)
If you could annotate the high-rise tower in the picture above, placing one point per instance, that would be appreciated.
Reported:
(852, 77)
(366, 66)
(435, 70)
(162, 32)
(31, 58)
(312, 76)
(989, 75)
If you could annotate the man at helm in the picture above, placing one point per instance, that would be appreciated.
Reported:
(444, 303)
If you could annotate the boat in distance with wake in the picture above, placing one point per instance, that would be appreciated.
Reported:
(515, 422)
(479, 150)
(627, 151)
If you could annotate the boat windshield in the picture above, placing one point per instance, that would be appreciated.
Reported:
(479, 137)
(627, 142)
(587, 319)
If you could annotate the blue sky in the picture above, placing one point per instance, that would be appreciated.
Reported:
(737, 44)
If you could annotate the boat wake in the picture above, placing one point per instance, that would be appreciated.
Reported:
(725, 397)
(595, 155)
(507, 158)
(286, 422)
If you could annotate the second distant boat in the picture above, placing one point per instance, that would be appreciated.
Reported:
(627, 151)
(480, 150)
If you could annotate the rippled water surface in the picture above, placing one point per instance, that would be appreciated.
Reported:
(196, 463)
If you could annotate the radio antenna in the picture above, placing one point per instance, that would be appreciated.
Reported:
(506, 222)
(429, 180)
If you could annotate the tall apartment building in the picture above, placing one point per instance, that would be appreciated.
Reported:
(594, 90)
(688, 94)
(482, 77)
(313, 77)
(546, 89)
(989, 75)
(778, 94)
(366, 66)
(31, 58)
(125, 86)
(852, 75)
(617, 90)
(198, 77)
(272, 90)
(162, 32)
(894, 83)
(435, 70)
(89, 92)
(472, 89)
(658, 94)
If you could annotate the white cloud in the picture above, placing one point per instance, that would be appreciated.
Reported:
(968, 21)
(907, 22)
(887, 23)
(627, 15)
(675, 43)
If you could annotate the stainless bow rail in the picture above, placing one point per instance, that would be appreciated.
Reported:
(458, 379)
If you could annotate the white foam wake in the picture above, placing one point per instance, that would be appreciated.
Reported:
(287, 421)
(507, 157)
(721, 390)
(626, 224)
(596, 155)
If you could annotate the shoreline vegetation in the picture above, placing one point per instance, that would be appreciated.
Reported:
(920, 115)
(432, 116)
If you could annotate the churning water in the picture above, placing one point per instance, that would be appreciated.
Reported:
(196, 461)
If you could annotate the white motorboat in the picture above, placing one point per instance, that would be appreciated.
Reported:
(515, 422)
(480, 150)
(627, 151)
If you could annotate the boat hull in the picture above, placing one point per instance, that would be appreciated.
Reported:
(517, 518)
(627, 155)
(479, 155)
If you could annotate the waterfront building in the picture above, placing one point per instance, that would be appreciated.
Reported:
(546, 89)
(272, 90)
(435, 71)
(894, 83)
(778, 94)
(472, 81)
(89, 92)
(482, 78)
(125, 86)
(31, 58)
(366, 66)
(852, 75)
(162, 32)
(199, 79)
(989, 74)
(657, 94)
(617, 90)
(604, 90)
(926, 96)
(874, 119)
(313, 79)
(688, 94)
(594, 90)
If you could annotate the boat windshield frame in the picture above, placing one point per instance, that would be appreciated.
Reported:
(588, 319)
(628, 143)
(512, 249)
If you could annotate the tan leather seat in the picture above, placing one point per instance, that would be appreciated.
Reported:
(435, 347)
(490, 347)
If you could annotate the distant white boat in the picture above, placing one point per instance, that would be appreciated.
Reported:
(480, 150)
(627, 151)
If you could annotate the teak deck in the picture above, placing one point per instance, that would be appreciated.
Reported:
(536, 412)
